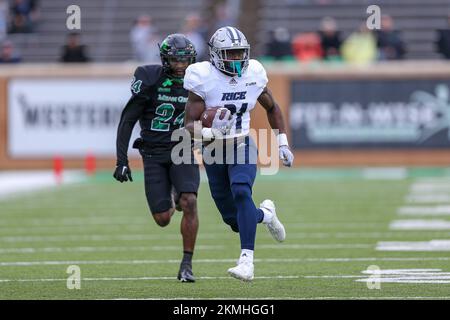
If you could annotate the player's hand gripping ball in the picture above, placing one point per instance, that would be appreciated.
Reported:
(210, 114)
(219, 119)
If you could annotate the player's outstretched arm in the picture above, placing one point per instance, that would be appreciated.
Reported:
(195, 106)
(275, 117)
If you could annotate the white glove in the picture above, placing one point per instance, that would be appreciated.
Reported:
(284, 151)
(223, 125)
(219, 128)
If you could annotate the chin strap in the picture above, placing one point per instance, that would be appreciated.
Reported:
(237, 66)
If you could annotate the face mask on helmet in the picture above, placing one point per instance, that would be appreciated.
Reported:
(177, 53)
(234, 60)
(177, 65)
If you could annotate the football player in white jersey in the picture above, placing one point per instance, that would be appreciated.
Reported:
(234, 81)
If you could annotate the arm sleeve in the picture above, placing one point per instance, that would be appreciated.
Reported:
(131, 113)
(193, 81)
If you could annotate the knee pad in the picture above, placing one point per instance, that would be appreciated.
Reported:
(232, 223)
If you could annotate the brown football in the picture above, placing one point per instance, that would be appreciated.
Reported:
(208, 115)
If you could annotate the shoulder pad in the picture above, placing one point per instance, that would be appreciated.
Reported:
(258, 72)
(144, 77)
(196, 77)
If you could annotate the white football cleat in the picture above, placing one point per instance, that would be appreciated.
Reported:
(274, 225)
(243, 271)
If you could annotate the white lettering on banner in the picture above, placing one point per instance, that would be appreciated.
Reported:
(68, 117)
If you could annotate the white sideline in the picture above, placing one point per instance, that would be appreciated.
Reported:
(293, 260)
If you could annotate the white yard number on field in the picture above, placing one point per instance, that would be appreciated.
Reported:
(374, 20)
(73, 21)
(374, 280)
(74, 280)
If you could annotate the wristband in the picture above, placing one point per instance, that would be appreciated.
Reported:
(282, 140)
(207, 133)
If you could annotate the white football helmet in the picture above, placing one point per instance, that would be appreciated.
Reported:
(222, 42)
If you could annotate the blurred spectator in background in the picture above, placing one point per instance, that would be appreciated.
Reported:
(279, 45)
(306, 47)
(20, 24)
(224, 15)
(23, 16)
(73, 51)
(360, 47)
(443, 42)
(192, 29)
(144, 40)
(389, 42)
(35, 13)
(8, 54)
(3, 19)
(330, 39)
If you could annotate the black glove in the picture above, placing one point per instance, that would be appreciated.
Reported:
(122, 173)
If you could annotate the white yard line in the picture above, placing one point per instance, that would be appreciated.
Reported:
(428, 276)
(29, 250)
(430, 186)
(428, 198)
(103, 249)
(142, 279)
(442, 210)
(298, 298)
(419, 225)
(394, 173)
(142, 225)
(211, 236)
(73, 221)
(21, 222)
(433, 245)
(162, 261)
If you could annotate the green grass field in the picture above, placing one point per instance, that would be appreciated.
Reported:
(334, 220)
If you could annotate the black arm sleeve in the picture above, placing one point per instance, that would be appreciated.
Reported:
(144, 78)
(130, 115)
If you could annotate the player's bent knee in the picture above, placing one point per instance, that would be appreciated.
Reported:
(162, 218)
(232, 223)
(188, 202)
(241, 190)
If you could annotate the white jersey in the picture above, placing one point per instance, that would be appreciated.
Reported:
(239, 94)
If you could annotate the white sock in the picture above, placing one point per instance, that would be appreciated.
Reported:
(247, 255)
(267, 215)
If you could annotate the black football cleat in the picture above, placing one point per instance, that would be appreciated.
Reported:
(185, 274)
